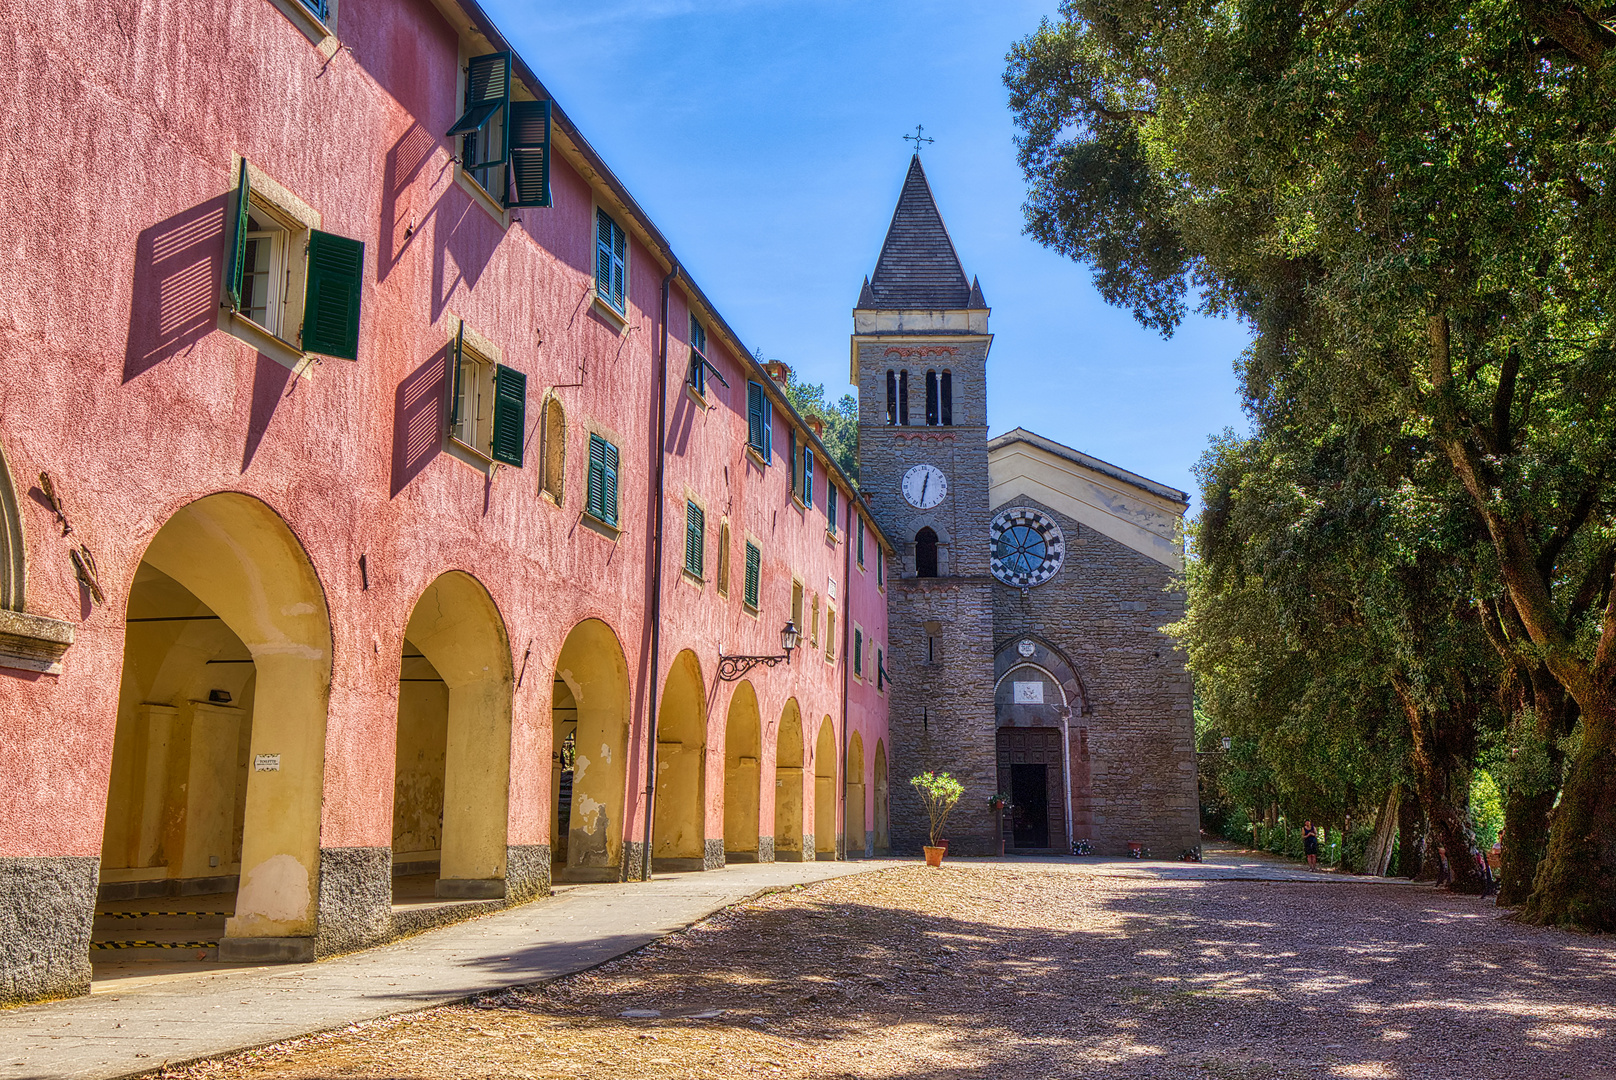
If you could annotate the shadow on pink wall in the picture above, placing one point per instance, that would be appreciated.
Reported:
(419, 419)
(179, 264)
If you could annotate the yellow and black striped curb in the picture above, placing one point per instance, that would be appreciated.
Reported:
(154, 944)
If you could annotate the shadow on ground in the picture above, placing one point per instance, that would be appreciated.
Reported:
(994, 971)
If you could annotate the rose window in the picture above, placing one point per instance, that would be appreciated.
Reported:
(1027, 547)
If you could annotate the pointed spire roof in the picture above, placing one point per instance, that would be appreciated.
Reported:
(918, 267)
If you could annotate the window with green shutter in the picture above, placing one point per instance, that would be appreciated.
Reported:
(807, 476)
(611, 262)
(530, 154)
(754, 570)
(858, 651)
(510, 416)
(759, 421)
(860, 528)
(602, 498)
(830, 507)
(695, 539)
(263, 242)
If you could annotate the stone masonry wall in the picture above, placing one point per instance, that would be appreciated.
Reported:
(1103, 610)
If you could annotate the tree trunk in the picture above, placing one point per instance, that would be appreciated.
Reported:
(1443, 747)
(1576, 881)
(1410, 836)
(1534, 785)
(1378, 856)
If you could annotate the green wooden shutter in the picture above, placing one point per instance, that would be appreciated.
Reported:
(236, 252)
(791, 447)
(510, 415)
(331, 302)
(530, 154)
(754, 416)
(603, 255)
(609, 492)
(858, 651)
(861, 541)
(619, 265)
(596, 502)
(807, 476)
(754, 560)
(695, 536)
(830, 506)
(456, 355)
(488, 93)
(768, 427)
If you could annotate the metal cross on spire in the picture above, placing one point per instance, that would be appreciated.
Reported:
(917, 138)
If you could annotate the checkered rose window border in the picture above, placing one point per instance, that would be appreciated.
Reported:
(1027, 547)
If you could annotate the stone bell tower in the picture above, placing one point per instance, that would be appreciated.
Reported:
(919, 358)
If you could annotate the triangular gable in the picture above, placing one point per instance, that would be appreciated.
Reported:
(1135, 512)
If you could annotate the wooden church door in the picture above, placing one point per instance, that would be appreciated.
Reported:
(1031, 773)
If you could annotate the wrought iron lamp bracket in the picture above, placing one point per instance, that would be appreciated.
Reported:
(731, 668)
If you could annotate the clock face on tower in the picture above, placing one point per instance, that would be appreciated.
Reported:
(924, 486)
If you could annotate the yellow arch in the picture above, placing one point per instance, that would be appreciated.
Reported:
(591, 680)
(883, 800)
(679, 820)
(743, 740)
(854, 826)
(789, 780)
(458, 629)
(825, 791)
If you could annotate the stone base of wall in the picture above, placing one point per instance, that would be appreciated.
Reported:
(356, 901)
(527, 872)
(714, 855)
(267, 950)
(765, 851)
(634, 861)
(808, 852)
(47, 907)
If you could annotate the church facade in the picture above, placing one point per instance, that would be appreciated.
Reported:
(1024, 613)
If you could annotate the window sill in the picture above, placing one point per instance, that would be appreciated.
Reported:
(550, 497)
(480, 196)
(832, 536)
(749, 609)
(618, 317)
(470, 455)
(698, 397)
(693, 579)
(599, 525)
(278, 350)
(307, 21)
(756, 456)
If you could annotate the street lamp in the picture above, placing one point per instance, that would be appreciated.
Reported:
(731, 668)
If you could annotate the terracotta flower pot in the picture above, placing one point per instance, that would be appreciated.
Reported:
(934, 855)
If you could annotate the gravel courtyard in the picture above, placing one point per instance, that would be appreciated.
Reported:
(1033, 970)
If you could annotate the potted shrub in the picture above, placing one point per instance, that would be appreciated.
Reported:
(939, 792)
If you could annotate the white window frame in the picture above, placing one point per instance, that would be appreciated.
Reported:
(269, 200)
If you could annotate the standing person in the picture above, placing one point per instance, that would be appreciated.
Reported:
(1310, 844)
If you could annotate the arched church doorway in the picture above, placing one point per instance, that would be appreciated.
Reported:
(856, 840)
(452, 762)
(788, 785)
(213, 803)
(591, 708)
(1039, 705)
(679, 819)
(825, 791)
(743, 739)
(883, 800)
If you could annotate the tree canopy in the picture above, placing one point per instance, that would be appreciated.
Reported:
(1411, 206)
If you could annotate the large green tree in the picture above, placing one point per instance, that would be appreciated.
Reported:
(1412, 207)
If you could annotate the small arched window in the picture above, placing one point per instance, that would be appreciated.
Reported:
(13, 567)
(554, 441)
(931, 399)
(926, 553)
(892, 396)
(903, 398)
(948, 399)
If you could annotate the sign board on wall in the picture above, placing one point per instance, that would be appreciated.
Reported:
(1028, 693)
(267, 763)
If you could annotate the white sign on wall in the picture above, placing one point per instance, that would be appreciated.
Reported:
(1028, 693)
(267, 763)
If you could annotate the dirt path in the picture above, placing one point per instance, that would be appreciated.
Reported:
(1007, 971)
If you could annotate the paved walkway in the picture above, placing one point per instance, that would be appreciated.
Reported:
(147, 1014)
(133, 1024)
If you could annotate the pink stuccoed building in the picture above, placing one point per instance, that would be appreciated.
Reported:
(388, 525)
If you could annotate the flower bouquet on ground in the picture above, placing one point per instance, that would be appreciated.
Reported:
(939, 792)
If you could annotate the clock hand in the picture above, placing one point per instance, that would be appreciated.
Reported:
(924, 484)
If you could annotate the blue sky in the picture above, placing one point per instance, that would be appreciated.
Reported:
(764, 138)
